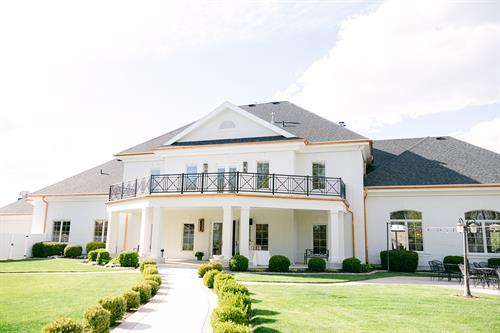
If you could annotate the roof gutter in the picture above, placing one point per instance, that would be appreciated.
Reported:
(46, 213)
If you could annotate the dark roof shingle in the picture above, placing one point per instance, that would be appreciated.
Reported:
(20, 206)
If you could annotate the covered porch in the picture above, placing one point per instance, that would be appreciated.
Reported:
(220, 226)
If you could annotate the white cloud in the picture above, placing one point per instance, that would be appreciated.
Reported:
(485, 134)
(405, 58)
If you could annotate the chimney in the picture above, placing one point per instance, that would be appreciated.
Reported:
(23, 195)
(272, 117)
(342, 123)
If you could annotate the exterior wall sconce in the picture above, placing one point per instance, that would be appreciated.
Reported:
(201, 225)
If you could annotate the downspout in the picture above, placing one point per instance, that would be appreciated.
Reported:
(349, 209)
(365, 194)
(46, 213)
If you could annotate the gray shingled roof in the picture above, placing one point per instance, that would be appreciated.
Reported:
(20, 206)
(431, 161)
(89, 181)
(312, 127)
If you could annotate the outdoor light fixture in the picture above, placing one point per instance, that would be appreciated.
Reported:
(466, 227)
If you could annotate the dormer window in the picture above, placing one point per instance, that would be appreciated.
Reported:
(227, 125)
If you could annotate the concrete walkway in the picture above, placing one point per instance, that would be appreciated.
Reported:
(183, 304)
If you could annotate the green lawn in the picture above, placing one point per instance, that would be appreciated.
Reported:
(48, 265)
(370, 308)
(314, 278)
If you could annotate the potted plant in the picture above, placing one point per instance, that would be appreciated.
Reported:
(199, 255)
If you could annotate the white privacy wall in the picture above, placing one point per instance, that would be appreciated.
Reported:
(15, 224)
(17, 246)
(440, 208)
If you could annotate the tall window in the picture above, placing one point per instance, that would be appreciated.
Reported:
(191, 171)
(188, 237)
(406, 230)
(100, 230)
(488, 231)
(60, 231)
(318, 172)
(262, 236)
(319, 239)
(263, 175)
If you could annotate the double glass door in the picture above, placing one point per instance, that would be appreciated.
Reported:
(226, 178)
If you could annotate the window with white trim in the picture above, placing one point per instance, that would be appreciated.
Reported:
(188, 237)
(318, 175)
(262, 175)
(406, 230)
(488, 231)
(319, 239)
(100, 230)
(262, 236)
(192, 177)
(60, 231)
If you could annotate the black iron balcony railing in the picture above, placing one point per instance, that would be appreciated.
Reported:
(229, 182)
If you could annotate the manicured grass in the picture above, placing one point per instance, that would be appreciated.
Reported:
(370, 308)
(48, 265)
(315, 278)
(29, 301)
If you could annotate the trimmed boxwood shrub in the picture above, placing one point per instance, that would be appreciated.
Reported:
(116, 305)
(132, 298)
(46, 249)
(229, 327)
(153, 277)
(97, 319)
(202, 269)
(226, 313)
(148, 270)
(494, 262)
(316, 265)
(91, 246)
(279, 264)
(73, 251)
(208, 278)
(453, 260)
(233, 287)
(220, 280)
(400, 260)
(239, 300)
(128, 259)
(64, 325)
(103, 256)
(144, 290)
(147, 262)
(352, 265)
(155, 286)
(238, 263)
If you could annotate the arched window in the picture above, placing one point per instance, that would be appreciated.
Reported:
(227, 124)
(488, 231)
(406, 230)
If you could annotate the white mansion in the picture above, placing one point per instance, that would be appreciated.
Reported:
(271, 178)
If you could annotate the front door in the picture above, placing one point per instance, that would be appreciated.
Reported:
(217, 238)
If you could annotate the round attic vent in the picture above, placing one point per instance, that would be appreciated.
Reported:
(228, 124)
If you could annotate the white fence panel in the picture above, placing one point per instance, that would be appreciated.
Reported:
(17, 246)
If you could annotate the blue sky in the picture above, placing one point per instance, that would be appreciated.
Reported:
(81, 81)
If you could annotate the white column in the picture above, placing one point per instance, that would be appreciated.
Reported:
(335, 230)
(227, 232)
(244, 231)
(112, 236)
(156, 234)
(144, 232)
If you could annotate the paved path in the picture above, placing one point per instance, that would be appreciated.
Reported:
(182, 304)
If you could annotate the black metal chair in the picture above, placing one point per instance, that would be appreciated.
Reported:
(452, 271)
(437, 268)
(483, 264)
(473, 275)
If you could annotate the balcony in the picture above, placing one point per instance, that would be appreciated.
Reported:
(229, 182)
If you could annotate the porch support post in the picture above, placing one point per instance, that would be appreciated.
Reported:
(244, 230)
(112, 236)
(144, 234)
(156, 234)
(335, 237)
(227, 232)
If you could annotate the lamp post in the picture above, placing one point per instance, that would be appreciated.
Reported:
(466, 227)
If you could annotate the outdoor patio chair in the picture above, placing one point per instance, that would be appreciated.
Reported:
(437, 269)
(483, 264)
(497, 273)
(473, 276)
(452, 271)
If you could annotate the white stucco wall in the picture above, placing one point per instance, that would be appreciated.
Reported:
(440, 208)
(15, 224)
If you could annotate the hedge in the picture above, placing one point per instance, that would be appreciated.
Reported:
(238, 263)
(149, 270)
(153, 277)
(233, 287)
(220, 280)
(64, 325)
(144, 290)
(400, 260)
(147, 262)
(73, 251)
(46, 249)
(229, 327)
(494, 262)
(128, 259)
(208, 278)
(103, 256)
(316, 265)
(97, 318)
(352, 265)
(237, 300)
(279, 264)
(116, 305)
(132, 298)
(453, 260)
(155, 286)
(94, 246)
(227, 313)
(202, 269)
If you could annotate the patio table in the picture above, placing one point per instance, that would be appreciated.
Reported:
(260, 258)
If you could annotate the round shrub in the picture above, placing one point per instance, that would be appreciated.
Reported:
(233, 287)
(73, 251)
(128, 259)
(91, 246)
(132, 298)
(150, 270)
(155, 286)
(46, 249)
(64, 325)
(103, 256)
(220, 280)
(92, 255)
(453, 260)
(229, 327)
(352, 265)
(316, 265)
(208, 278)
(144, 290)
(238, 263)
(494, 262)
(97, 319)
(226, 313)
(279, 264)
(239, 300)
(202, 269)
(153, 277)
(147, 262)
(400, 260)
(116, 305)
